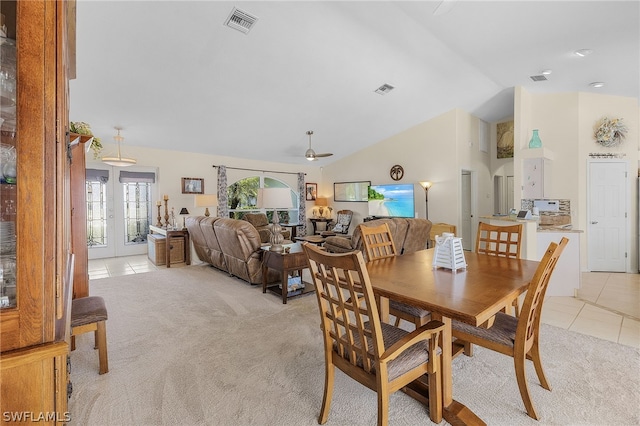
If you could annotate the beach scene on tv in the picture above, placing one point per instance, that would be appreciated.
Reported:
(391, 200)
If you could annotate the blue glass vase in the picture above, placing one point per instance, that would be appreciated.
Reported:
(535, 141)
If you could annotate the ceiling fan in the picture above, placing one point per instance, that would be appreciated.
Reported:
(311, 154)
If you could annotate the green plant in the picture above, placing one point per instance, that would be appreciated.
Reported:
(82, 128)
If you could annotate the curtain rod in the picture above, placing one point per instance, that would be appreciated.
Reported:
(256, 170)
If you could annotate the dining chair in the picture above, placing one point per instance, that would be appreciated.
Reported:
(378, 244)
(380, 356)
(519, 337)
(439, 229)
(504, 241)
(497, 240)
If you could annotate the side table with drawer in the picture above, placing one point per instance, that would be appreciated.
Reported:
(179, 249)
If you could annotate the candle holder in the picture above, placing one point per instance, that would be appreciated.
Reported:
(159, 224)
(166, 212)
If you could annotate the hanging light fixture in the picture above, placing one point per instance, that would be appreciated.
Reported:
(119, 161)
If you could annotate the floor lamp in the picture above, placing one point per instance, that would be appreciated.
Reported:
(426, 186)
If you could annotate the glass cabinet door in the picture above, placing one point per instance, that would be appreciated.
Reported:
(8, 170)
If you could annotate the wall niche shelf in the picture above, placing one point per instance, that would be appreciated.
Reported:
(543, 152)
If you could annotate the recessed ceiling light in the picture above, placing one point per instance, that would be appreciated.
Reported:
(583, 52)
(596, 84)
(546, 72)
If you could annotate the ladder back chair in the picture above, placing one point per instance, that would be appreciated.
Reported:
(505, 241)
(378, 244)
(439, 229)
(380, 356)
(519, 337)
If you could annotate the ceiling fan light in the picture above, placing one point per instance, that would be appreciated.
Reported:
(119, 161)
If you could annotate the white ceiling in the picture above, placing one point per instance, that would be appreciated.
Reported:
(174, 77)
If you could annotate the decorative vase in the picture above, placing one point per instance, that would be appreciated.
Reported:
(535, 141)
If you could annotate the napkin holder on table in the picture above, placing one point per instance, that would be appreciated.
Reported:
(449, 253)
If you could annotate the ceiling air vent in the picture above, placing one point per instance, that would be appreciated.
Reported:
(240, 20)
(538, 77)
(384, 89)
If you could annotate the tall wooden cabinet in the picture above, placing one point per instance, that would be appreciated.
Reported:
(34, 320)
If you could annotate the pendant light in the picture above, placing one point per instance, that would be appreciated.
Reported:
(119, 161)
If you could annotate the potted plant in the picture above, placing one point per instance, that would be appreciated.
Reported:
(82, 128)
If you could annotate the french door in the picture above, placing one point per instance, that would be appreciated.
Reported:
(119, 210)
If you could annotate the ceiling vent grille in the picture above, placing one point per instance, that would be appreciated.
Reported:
(538, 77)
(384, 89)
(240, 20)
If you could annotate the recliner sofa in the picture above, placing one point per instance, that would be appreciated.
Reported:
(409, 235)
(230, 245)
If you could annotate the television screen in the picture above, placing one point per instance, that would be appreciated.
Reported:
(391, 200)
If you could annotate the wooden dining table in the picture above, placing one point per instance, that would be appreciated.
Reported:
(472, 295)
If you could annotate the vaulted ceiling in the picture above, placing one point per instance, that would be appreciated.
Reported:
(173, 76)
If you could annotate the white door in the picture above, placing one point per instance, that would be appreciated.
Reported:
(466, 210)
(607, 220)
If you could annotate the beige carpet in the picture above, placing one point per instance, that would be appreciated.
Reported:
(192, 346)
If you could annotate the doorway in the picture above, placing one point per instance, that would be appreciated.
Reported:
(467, 202)
(119, 210)
(607, 221)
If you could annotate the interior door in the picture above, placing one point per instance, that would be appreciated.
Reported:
(607, 220)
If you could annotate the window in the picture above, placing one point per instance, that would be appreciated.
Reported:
(243, 196)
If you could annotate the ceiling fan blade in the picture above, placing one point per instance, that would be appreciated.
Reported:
(326, 154)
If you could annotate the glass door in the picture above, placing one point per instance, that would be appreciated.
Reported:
(119, 210)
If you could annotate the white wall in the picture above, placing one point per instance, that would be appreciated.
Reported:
(566, 123)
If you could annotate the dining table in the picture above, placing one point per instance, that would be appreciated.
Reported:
(473, 294)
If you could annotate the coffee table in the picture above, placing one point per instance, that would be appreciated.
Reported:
(294, 260)
(314, 239)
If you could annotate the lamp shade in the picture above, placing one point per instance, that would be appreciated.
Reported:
(206, 200)
(426, 185)
(322, 202)
(184, 210)
(275, 198)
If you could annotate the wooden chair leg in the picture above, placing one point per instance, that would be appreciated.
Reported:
(383, 407)
(73, 343)
(519, 361)
(468, 349)
(534, 353)
(435, 392)
(101, 343)
(329, 375)
(397, 323)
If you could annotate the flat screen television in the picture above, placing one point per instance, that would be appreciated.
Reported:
(395, 200)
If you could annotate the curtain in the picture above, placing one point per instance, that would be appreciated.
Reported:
(223, 205)
(95, 175)
(302, 212)
(133, 177)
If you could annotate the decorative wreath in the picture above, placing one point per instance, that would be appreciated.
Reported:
(610, 132)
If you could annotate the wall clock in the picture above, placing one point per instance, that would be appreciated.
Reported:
(396, 172)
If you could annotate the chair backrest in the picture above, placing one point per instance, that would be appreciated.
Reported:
(377, 241)
(529, 319)
(349, 314)
(439, 229)
(496, 240)
(343, 221)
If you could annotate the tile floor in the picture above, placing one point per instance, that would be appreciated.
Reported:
(607, 305)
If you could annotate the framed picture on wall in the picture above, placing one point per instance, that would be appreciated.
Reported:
(311, 191)
(192, 186)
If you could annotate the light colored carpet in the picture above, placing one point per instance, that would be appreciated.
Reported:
(192, 346)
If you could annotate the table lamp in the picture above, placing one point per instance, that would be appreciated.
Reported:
(183, 212)
(321, 203)
(275, 198)
(206, 201)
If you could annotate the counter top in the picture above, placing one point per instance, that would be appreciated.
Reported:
(507, 218)
(539, 229)
(560, 230)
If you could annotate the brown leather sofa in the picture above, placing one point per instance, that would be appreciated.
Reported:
(409, 235)
(230, 245)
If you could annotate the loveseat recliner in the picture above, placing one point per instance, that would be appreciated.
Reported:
(230, 245)
(409, 235)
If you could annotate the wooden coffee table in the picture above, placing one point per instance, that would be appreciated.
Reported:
(314, 239)
(295, 260)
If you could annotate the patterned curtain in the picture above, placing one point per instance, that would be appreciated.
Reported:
(302, 212)
(223, 205)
